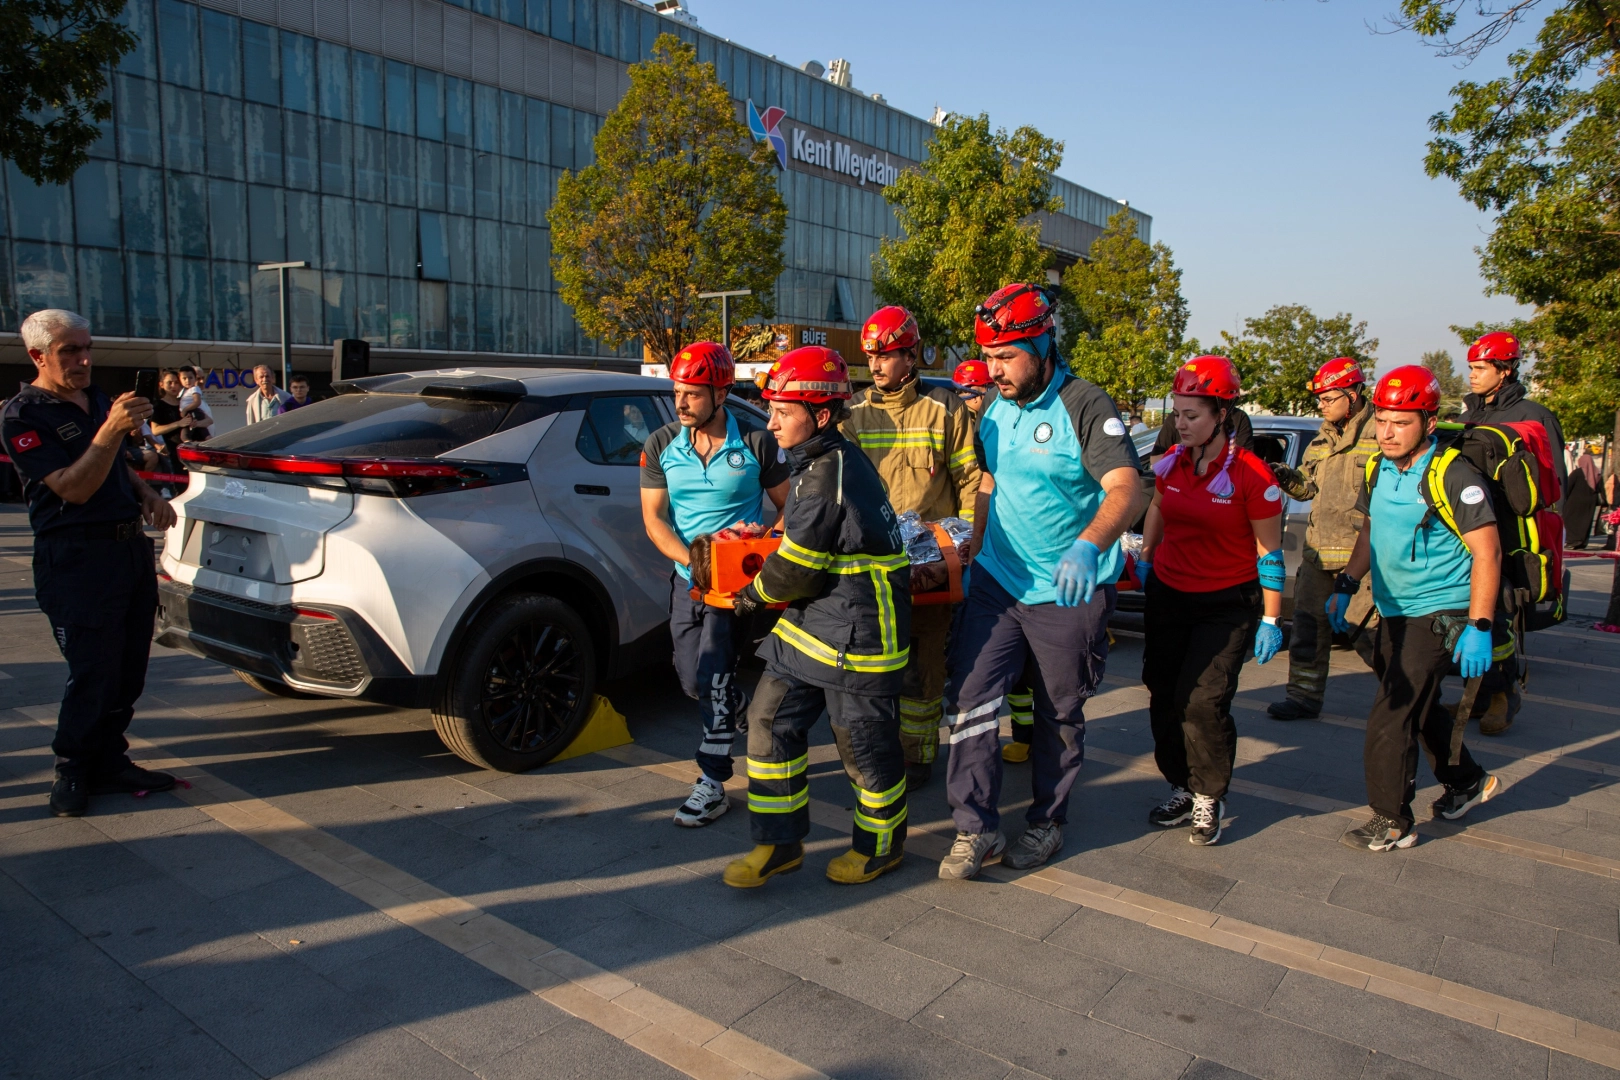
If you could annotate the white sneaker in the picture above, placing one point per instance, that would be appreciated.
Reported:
(970, 853)
(706, 803)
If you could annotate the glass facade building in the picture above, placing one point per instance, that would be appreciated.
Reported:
(408, 150)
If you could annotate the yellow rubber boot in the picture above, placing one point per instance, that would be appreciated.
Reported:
(763, 863)
(1015, 752)
(853, 868)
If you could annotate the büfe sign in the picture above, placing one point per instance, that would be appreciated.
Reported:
(734, 563)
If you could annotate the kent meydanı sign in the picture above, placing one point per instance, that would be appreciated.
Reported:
(831, 154)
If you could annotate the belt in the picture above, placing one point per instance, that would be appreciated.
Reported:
(113, 530)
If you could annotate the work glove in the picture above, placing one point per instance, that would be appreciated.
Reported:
(1473, 654)
(1273, 572)
(1267, 640)
(1076, 577)
(1286, 475)
(1337, 605)
(746, 601)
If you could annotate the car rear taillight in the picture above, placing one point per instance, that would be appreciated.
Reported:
(368, 476)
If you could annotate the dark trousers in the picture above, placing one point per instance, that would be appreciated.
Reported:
(997, 638)
(867, 730)
(100, 597)
(1410, 663)
(1193, 653)
(1310, 643)
(706, 663)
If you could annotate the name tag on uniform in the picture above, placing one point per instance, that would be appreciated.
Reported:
(69, 430)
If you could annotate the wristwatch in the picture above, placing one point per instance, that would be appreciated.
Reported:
(1272, 619)
(1484, 624)
(1346, 584)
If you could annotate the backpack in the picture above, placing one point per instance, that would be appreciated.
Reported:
(1515, 460)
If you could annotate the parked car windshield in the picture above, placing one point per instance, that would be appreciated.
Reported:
(371, 425)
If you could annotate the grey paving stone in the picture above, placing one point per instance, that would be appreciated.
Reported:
(1575, 884)
(852, 1041)
(1468, 859)
(392, 1054)
(1242, 980)
(1353, 931)
(1597, 959)
(997, 903)
(152, 926)
(1595, 1000)
(1185, 885)
(1244, 858)
(1241, 1038)
(212, 859)
(875, 909)
(1384, 1067)
(556, 847)
(1024, 964)
(124, 817)
(334, 929)
(1565, 1067)
(1549, 906)
(266, 1008)
(868, 971)
(1205, 1069)
(28, 929)
(70, 859)
(1390, 1027)
(555, 910)
(457, 1006)
(1044, 1038)
(45, 1024)
(1445, 916)
(574, 1050)
(191, 1056)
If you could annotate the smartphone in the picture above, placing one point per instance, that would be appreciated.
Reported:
(146, 383)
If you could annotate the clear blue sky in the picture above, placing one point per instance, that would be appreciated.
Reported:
(1278, 144)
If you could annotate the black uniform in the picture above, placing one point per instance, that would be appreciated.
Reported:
(1511, 404)
(94, 577)
(841, 645)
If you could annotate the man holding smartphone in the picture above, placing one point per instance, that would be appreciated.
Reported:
(94, 576)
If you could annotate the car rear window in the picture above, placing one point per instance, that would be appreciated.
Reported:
(372, 425)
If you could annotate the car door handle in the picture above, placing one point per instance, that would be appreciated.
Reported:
(591, 489)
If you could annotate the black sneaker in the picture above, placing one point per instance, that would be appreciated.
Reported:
(1379, 834)
(1458, 801)
(130, 779)
(70, 797)
(918, 773)
(1290, 709)
(1174, 810)
(1207, 811)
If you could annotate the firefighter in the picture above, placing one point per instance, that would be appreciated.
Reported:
(921, 440)
(1330, 478)
(840, 646)
(1060, 482)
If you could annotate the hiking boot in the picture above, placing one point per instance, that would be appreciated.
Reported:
(918, 773)
(763, 863)
(1206, 820)
(1498, 716)
(1458, 801)
(853, 868)
(130, 779)
(1174, 810)
(1038, 844)
(1291, 709)
(70, 797)
(706, 803)
(1379, 834)
(971, 853)
(1015, 753)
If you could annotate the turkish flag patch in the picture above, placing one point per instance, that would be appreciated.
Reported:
(644, 459)
(26, 440)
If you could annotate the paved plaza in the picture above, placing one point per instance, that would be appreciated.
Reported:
(335, 895)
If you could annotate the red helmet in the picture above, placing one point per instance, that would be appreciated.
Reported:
(814, 375)
(1499, 347)
(703, 363)
(889, 328)
(973, 373)
(1408, 389)
(1338, 374)
(1208, 376)
(1012, 313)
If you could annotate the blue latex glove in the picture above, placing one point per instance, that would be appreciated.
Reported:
(1473, 653)
(1143, 569)
(1267, 640)
(1337, 605)
(1076, 577)
(1273, 573)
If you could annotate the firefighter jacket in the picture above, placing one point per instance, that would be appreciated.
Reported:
(1510, 405)
(921, 440)
(1331, 476)
(843, 571)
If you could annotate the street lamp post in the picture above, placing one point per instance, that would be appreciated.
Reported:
(725, 310)
(281, 269)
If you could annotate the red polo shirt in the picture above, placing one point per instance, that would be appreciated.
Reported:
(1208, 543)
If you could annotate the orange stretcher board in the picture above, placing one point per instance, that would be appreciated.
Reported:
(734, 563)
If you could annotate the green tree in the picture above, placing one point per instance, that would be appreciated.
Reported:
(966, 215)
(1539, 148)
(1278, 352)
(1452, 384)
(1124, 319)
(678, 201)
(53, 78)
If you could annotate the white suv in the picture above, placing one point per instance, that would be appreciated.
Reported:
(468, 540)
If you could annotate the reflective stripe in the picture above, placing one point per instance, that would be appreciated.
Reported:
(976, 729)
(861, 564)
(963, 456)
(888, 633)
(764, 597)
(798, 553)
(882, 828)
(819, 650)
(877, 800)
(933, 440)
(779, 804)
(777, 770)
(715, 748)
(991, 707)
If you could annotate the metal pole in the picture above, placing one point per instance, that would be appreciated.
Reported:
(286, 326)
(725, 309)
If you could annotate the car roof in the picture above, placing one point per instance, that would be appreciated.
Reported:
(540, 382)
(1285, 423)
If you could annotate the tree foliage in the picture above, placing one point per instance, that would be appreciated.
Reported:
(678, 201)
(1278, 352)
(1453, 385)
(1539, 148)
(965, 212)
(53, 78)
(1124, 319)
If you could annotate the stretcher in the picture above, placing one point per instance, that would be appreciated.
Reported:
(734, 563)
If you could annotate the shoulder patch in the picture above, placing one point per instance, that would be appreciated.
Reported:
(1273, 493)
(1113, 426)
(1473, 495)
(25, 440)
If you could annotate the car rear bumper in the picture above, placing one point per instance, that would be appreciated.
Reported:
(330, 651)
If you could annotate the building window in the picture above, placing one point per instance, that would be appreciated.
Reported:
(334, 82)
(221, 54)
(298, 72)
(177, 44)
(101, 291)
(400, 94)
(368, 90)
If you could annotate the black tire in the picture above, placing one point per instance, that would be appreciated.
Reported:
(266, 685)
(521, 685)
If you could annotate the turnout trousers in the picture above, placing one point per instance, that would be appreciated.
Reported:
(1410, 662)
(1311, 641)
(867, 731)
(922, 702)
(100, 597)
(706, 663)
(1066, 652)
(1194, 648)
